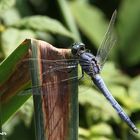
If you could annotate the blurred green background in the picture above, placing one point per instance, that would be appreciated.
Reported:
(62, 22)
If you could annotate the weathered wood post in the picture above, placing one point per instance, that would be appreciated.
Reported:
(56, 108)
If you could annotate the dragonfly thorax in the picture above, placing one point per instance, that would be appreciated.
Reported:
(89, 64)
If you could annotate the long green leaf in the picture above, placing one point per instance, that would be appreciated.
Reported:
(14, 76)
(43, 23)
(69, 20)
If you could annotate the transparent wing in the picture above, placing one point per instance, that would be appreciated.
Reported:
(62, 65)
(54, 67)
(107, 43)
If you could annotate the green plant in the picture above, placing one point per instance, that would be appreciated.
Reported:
(64, 22)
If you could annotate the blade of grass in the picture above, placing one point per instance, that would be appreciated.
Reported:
(35, 70)
(14, 76)
(68, 18)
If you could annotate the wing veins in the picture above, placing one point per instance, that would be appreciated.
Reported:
(108, 41)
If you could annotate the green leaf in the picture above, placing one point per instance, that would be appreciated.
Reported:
(10, 16)
(110, 71)
(9, 64)
(12, 37)
(97, 132)
(90, 20)
(43, 23)
(100, 138)
(24, 115)
(101, 129)
(129, 31)
(134, 93)
(14, 76)
(83, 132)
(4, 5)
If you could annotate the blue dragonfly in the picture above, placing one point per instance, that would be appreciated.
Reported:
(92, 66)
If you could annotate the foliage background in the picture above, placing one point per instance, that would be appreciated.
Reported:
(63, 22)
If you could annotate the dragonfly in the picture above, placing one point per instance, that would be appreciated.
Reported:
(93, 65)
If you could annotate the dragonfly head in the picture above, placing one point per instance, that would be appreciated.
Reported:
(78, 48)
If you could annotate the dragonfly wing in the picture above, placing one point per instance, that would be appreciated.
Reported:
(52, 66)
(107, 43)
(53, 69)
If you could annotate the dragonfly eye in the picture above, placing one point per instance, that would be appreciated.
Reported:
(77, 48)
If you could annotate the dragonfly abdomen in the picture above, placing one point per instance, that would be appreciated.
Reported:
(98, 81)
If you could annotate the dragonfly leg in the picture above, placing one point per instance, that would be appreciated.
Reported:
(70, 70)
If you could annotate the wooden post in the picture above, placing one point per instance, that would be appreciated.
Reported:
(56, 108)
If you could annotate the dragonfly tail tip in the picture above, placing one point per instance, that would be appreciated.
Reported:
(136, 130)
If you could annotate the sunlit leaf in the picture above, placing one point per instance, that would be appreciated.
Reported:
(83, 132)
(10, 16)
(134, 93)
(4, 5)
(101, 129)
(43, 23)
(92, 133)
(112, 75)
(100, 138)
(12, 37)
